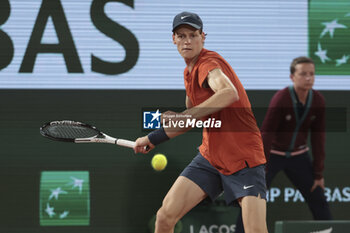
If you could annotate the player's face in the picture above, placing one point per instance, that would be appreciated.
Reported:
(304, 76)
(189, 41)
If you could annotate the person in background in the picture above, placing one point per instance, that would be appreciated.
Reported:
(294, 113)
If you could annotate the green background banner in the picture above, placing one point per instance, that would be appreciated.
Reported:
(64, 198)
(329, 36)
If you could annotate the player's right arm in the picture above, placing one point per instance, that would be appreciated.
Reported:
(225, 93)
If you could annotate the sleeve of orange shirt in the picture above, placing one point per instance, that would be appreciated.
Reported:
(205, 68)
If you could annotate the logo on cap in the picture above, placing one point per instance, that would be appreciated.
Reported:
(188, 18)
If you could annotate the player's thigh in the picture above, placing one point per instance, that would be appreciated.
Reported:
(182, 197)
(201, 172)
(249, 181)
(254, 214)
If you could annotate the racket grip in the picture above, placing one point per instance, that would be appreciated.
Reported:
(125, 143)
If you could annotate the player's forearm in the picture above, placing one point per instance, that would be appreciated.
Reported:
(221, 99)
(216, 102)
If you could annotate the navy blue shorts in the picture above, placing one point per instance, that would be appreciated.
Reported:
(246, 182)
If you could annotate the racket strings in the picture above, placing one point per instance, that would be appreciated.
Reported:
(70, 131)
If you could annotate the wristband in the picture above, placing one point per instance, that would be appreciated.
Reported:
(158, 136)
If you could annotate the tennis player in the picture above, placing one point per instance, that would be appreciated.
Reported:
(231, 158)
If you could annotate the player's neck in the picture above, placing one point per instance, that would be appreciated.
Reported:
(191, 62)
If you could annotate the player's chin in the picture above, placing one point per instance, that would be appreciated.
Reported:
(187, 55)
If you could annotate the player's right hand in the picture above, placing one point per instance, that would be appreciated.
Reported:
(143, 145)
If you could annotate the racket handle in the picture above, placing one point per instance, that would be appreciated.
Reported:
(125, 143)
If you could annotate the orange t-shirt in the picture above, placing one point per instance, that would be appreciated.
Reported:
(238, 142)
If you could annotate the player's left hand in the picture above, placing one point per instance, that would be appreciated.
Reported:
(319, 182)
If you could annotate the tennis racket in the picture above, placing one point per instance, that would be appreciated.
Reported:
(77, 132)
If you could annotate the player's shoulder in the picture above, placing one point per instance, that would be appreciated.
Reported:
(209, 55)
(212, 58)
(207, 58)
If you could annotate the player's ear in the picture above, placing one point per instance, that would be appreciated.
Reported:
(203, 36)
(174, 42)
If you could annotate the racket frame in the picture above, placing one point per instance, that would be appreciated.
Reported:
(99, 138)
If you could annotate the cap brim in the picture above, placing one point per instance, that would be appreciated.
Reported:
(187, 23)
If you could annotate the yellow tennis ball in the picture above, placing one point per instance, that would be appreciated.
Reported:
(159, 162)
